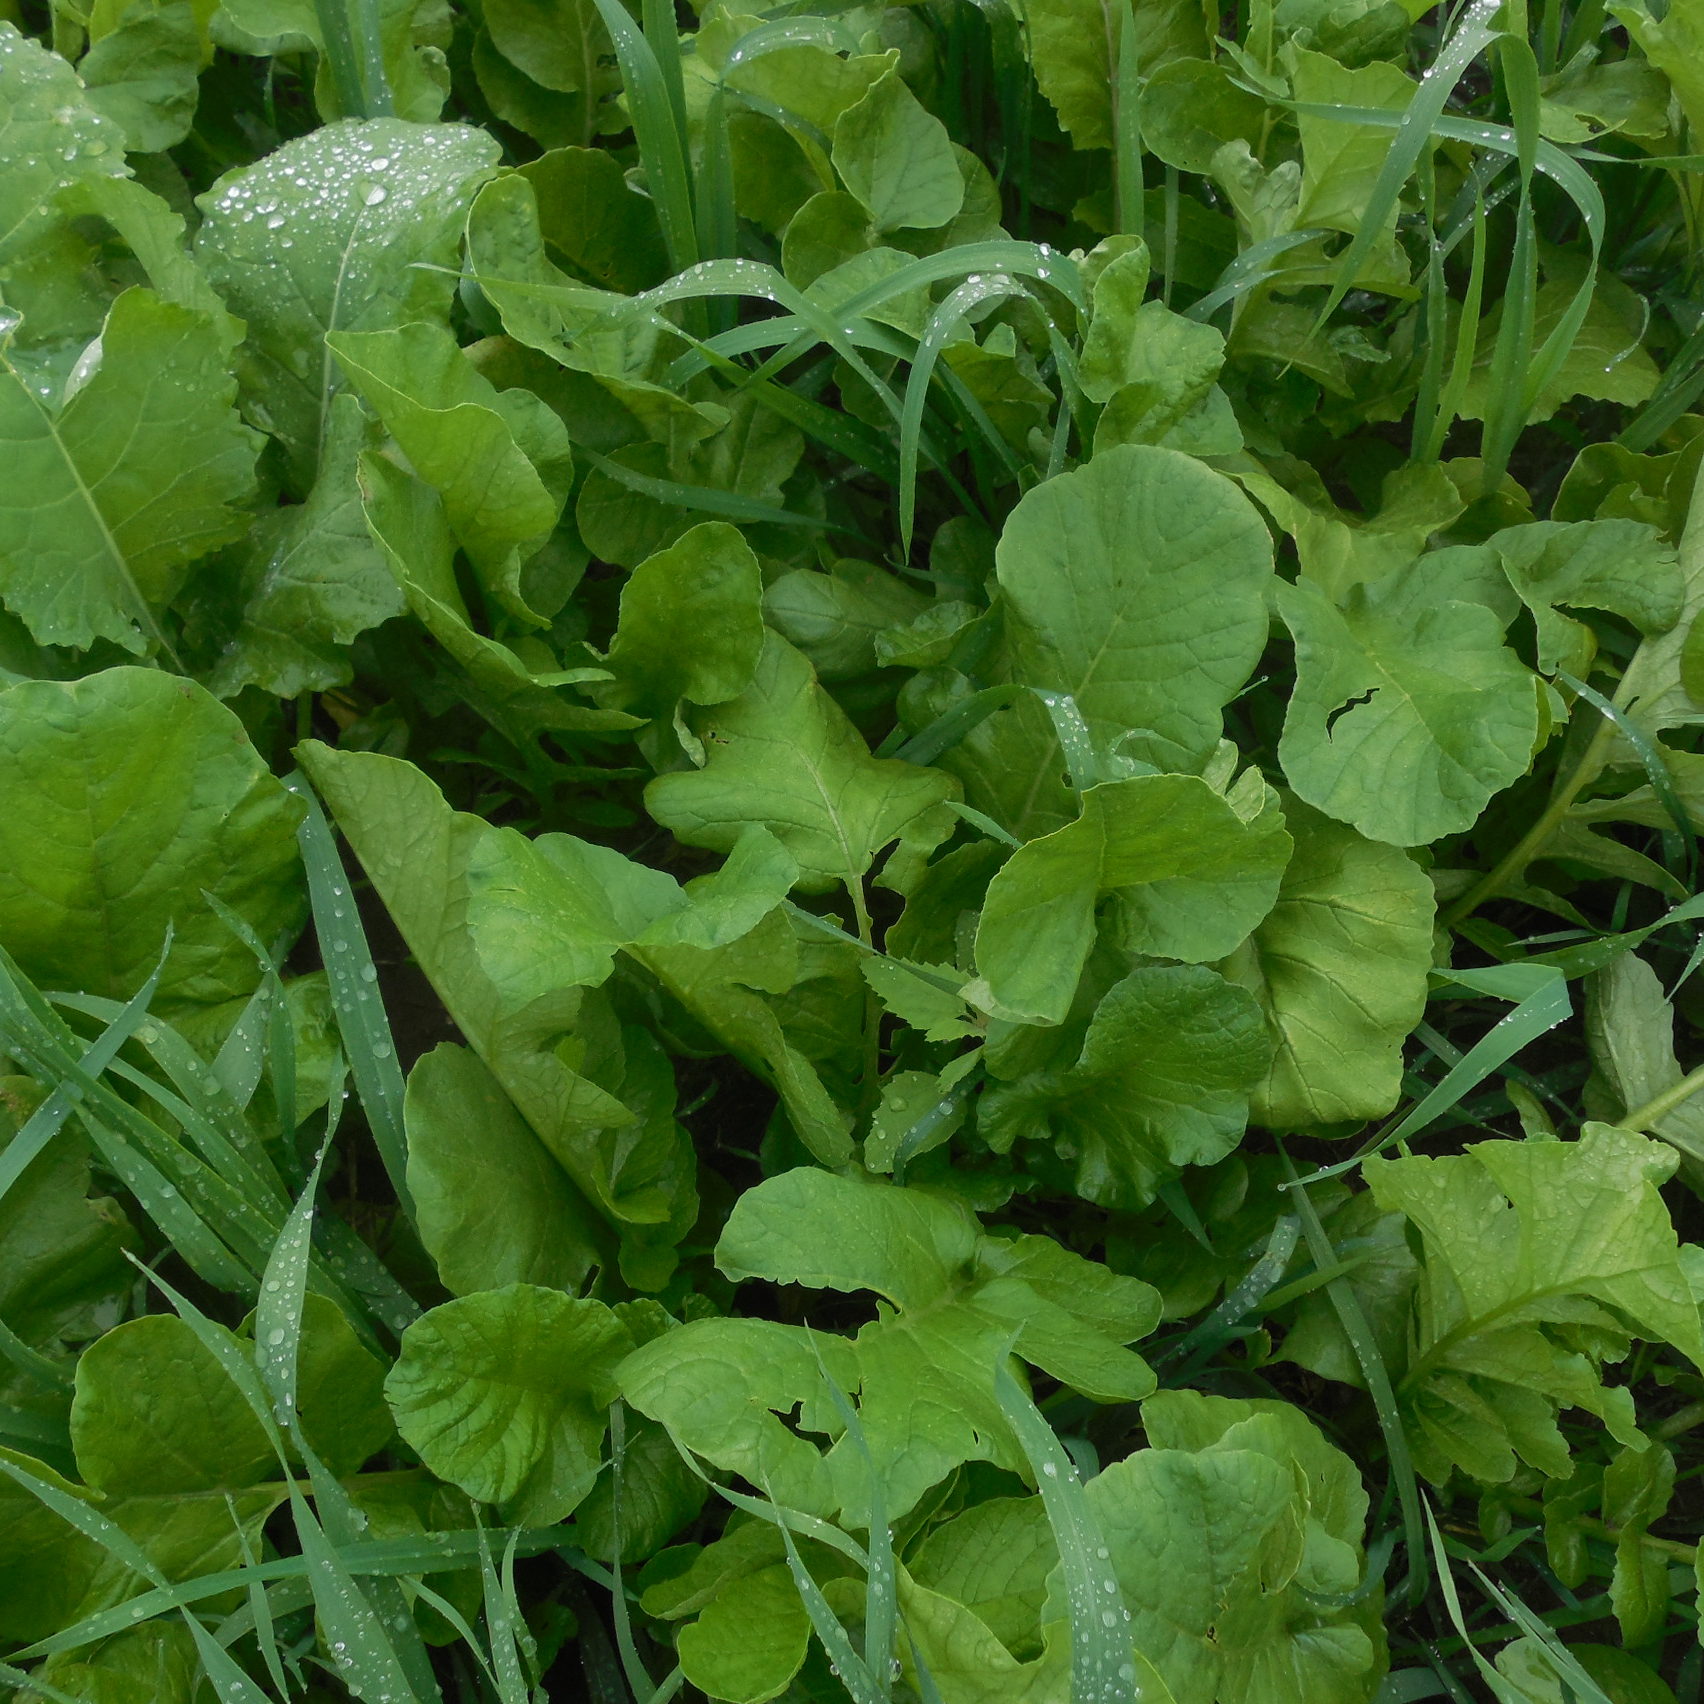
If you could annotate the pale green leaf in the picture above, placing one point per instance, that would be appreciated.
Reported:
(116, 488)
(122, 797)
(504, 1394)
(1340, 967)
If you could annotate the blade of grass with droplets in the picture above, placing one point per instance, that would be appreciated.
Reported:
(881, 1612)
(361, 1626)
(853, 1673)
(260, 1608)
(1414, 130)
(353, 978)
(1103, 1670)
(1508, 399)
(230, 1684)
(638, 1677)
(943, 323)
(46, 1121)
(1375, 1374)
(662, 142)
(1542, 1002)
(351, 32)
(433, 1553)
(201, 1107)
(173, 1186)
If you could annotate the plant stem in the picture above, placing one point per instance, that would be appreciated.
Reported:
(1524, 850)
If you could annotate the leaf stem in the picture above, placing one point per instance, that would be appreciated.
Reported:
(1659, 1106)
(869, 1087)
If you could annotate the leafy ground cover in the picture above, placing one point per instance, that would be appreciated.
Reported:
(851, 852)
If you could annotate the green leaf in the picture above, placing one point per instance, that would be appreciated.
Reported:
(1616, 565)
(499, 459)
(1408, 712)
(406, 520)
(61, 1252)
(121, 481)
(123, 796)
(1192, 874)
(896, 158)
(156, 1414)
(784, 755)
(281, 610)
(51, 138)
(994, 1559)
(144, 74)
(504, 1394)
(1224, 1537)
(321, 237)
(632, 1161)
(1171, 1057)
(560, 44)
(493, 1206)
(747, 1644)
(1340, 966)
(691, 625)
(1073, 47)
(1542, 1261)
(926, 1371)
(1138, 584)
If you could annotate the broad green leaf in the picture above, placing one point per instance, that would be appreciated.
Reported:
(122, 482)
(406, 520)
(281, 610)
(691, 625)
(339, 230)
(417, 851)
(61, 1251)
(504, 1394)
(1615, 565)
(1408, 712)
(994, 1559)
(1341, 161)
(721, 1387)
(1192, 107)
(499, 459)
(969, 1663)
(1542, 1260)
(1672, 39)
(1073, 48)
(1138, 584)
(1340, 966)
(123, 796)
(747, 1644)
(895, 157)
(595, 220)
(155, 1414)
(927, 1370)
(1170, 1060)
(560, 44)
(51, 137)
(493, 1206)
(155, 1663)
(144, 74)
(737, 991)
(1630, 1032)
(784, 755)
(1606, 359)
(660, 1494)
(340, 1389)
(1225, 1537)
(1193, 877)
